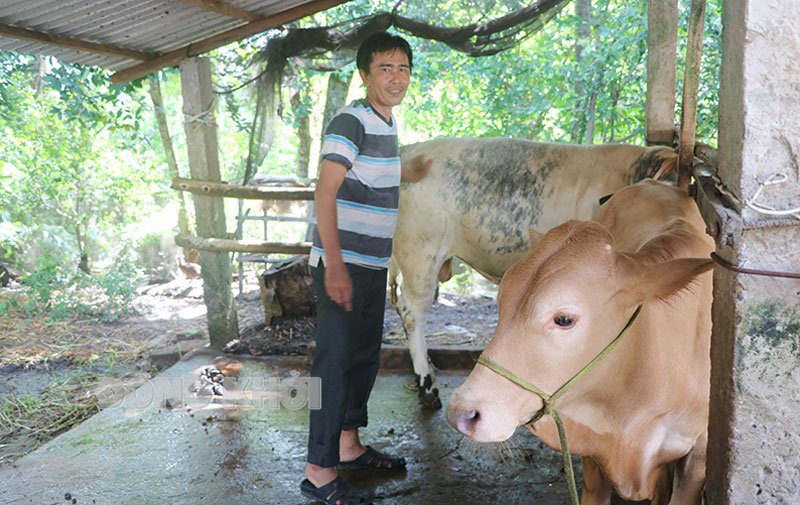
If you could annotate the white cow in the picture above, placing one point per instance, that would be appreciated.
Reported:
(477, 201)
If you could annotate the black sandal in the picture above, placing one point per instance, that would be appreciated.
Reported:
(374, 460)
(335, 492)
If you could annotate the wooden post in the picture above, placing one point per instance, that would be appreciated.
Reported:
(691, 82)
(662, 39)
(201, 143)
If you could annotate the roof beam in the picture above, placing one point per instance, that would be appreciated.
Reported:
(174, 57)
(223, 8)
(69, 43)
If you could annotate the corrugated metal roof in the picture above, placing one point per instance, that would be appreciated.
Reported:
(149, 27)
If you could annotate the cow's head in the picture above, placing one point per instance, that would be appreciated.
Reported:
(558, 308)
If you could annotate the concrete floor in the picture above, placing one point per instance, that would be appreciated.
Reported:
(160, 445)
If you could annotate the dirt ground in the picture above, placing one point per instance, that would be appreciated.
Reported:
(54, 373)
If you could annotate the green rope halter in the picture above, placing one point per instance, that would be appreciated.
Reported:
(550, 400)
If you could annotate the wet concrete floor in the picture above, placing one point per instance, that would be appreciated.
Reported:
(163, 445)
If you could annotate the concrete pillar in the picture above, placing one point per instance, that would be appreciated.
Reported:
(201, 143)
(754, 427)
(662, 40)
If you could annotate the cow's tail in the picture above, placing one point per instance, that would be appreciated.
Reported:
(394, 271)
(668, 163)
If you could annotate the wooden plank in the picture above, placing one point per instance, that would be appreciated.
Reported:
(222, 189)
(708, 154)
(201, 144)
(691, 83)
(243, 246)
(223, 8)
(255, 27)
(662, 54)
(70, 43)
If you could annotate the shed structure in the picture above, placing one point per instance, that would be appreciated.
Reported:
(751, 206)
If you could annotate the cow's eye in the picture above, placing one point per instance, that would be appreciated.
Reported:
(563, 321)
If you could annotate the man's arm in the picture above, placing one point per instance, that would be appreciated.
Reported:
(338, 284)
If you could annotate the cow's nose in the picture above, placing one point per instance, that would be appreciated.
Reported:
(465, 421)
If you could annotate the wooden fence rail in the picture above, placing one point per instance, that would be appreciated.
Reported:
(224, 190)
(249, 246)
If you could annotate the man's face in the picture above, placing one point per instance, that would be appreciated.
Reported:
(387, 81)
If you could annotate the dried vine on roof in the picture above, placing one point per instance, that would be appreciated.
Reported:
(330, 48)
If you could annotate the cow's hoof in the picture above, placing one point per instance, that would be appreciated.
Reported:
(430, 398)
(428, 393)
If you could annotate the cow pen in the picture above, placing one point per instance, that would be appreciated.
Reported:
(248, 250)
(746, 189)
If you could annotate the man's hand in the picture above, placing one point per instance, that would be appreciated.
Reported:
(338, 285)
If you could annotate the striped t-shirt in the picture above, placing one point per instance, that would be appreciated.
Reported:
(366, 204)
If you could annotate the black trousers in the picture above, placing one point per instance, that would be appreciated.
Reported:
(346, 359)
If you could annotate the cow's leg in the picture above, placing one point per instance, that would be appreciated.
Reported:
(690, 475)
(596, 487)
(662, 493)
(416, 297)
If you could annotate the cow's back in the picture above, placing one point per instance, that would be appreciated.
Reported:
(481, 196)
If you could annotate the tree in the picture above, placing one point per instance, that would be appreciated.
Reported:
(64, 151)
(159, 112)
(302, 106)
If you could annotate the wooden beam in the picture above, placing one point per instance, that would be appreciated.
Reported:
(174, 57)
(662, 55)
(246, 192)
(201, 145)
(223, 8)
(691, 83)
(69, 43)
(248, 246)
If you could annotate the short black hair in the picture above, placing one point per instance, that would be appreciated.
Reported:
(381, 42)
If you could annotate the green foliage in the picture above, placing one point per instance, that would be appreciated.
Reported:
(539, 90)
(462, 280)
(81, 161)
(65, 171)
(67, 293)
(15, 74)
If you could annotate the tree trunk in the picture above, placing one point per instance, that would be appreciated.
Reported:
(5, 276)
(609, 137)
(287, 291)
(589, 135)
(41, 70)
(583, 33)
(303, 132)
(191, 255)
(338, 86)
(584, 126)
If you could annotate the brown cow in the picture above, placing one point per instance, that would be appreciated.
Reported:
(639, 418)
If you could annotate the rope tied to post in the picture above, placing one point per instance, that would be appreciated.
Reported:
(206, 117)
(549, 400)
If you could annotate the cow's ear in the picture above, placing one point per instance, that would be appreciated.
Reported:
(664, 279)
(536, 237)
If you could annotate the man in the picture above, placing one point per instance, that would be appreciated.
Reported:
(356, 201)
